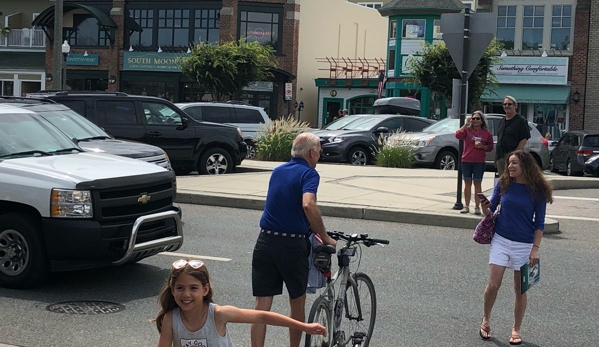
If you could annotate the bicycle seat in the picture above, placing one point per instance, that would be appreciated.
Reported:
(328, 249)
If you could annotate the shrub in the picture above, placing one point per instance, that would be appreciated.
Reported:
(274, 142)
(395, 152)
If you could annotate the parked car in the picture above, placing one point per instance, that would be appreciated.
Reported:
(357, 140)
(249, 119)
(573, 149)
(207, 147)
(437, 147)
(62, 208)
(90, 137)
(591, 166)
(341, 122)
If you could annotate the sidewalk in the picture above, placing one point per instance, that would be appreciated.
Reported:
(414, 196)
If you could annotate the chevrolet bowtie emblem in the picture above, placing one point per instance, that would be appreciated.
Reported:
(144, 199)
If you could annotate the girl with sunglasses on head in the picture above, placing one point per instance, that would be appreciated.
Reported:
(189, 318)
(478, 140)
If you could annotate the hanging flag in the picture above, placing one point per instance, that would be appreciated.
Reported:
(382, 81)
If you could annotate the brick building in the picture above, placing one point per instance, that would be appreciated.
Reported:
(130, 45)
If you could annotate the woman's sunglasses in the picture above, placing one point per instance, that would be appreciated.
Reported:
(194, 264)
(475, 118)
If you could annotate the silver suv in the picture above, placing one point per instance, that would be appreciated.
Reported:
(437, 147)
(249, 119)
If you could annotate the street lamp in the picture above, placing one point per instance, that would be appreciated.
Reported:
(300, 108)
(65, 53)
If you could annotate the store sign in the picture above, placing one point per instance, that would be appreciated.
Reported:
(288, 91)
(82, 59)
(260, 86)
(532, 70)
(144, 61)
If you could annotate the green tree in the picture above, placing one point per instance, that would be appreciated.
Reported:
(436, 71)
(225, 69)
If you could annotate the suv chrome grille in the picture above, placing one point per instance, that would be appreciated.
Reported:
(159, 160)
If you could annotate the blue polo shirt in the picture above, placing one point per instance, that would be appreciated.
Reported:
(283, 210)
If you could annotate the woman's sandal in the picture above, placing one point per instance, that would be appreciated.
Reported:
(515, 339)
(484, 332)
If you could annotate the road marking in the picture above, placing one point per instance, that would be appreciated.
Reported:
(183, 255)
(575, 218)
(575, 198)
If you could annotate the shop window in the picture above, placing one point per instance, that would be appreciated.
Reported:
(437, 35)
(263, 27)
(392, 29)
(145, 19)
(506, 25)
(173, 28)
(532, 32)
(361, 105)
(374, 5)
(561, 26)
(549, 119)
(207, 26)
(7, 88)
(391, 61)
(86, 32)
(413, 28)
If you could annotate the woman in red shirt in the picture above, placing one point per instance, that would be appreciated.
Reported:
(478, 140)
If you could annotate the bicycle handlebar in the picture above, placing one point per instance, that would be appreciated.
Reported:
(357, 238)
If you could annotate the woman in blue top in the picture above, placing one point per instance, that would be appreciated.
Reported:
(523, 193)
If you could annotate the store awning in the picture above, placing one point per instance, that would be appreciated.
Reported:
(527, 94)
(46, 18)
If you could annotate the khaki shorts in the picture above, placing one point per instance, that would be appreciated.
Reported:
(500, 165)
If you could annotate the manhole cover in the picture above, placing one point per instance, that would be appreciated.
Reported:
(85, 307)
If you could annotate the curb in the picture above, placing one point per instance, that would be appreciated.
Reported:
(353, 212)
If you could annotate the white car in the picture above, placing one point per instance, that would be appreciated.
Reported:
(249, 119)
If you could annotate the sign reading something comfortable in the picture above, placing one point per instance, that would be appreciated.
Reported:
(144, 61)
(532, 70)
(82, 59)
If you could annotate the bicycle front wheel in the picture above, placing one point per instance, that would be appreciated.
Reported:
(358, 319)
(319, 313)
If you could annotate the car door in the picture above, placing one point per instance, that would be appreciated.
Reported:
(248, 120)
(165, 128)
(392, 124)
(560, 153)
(119, 118)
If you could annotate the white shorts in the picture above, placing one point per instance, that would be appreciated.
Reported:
(507, 253)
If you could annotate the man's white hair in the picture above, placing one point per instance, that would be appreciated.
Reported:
(511, 98)
(303, 143)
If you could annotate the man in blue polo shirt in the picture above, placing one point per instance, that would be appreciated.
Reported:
(282, 249)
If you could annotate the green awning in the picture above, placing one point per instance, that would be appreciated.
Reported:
(528, 94)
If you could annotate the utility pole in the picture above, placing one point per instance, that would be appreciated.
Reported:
(57, 47)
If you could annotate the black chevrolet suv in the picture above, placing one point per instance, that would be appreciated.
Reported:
(209, 148)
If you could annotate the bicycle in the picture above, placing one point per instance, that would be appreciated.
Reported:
(348, 315)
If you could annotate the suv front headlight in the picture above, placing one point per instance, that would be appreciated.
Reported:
(66, 203)
(339, 139)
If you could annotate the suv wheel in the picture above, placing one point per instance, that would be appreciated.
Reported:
(446, 160)
(215, 161)
(552, 164)
(23, 262)
(569, 168)
(251, 150)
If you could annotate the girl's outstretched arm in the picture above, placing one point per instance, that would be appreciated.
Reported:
(166, 334)
(232, 314)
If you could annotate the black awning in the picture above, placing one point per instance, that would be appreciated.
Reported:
(282, 74)
(46, 18)
(132, 25)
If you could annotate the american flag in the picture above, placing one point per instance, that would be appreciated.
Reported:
(382, 81)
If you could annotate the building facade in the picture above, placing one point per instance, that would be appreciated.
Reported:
(131, 45)
(340, 57)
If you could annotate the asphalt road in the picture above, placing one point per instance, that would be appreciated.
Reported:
(429, 284)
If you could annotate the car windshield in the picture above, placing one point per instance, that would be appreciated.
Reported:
(447, 125)
(74, 125)
(362, 124)
(22, 133)
(340, 123)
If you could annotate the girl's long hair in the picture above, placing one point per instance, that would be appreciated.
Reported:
(535, 180)
(166, 299)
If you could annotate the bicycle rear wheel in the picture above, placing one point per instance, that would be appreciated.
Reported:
(319, 313)
(360, 311)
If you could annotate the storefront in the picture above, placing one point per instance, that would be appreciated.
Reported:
(356, 96)
(540, 84)
(21, 73)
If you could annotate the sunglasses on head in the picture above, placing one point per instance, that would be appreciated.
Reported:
(181, 263)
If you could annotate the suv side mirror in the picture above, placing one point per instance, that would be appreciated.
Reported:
(382, 130)
(184, 122)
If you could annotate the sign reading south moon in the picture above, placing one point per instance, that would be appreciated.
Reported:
(143, 61)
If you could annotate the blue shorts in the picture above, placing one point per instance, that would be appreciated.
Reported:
(473, 171)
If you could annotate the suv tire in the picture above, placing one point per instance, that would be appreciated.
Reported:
(358, 156)
(215, 161)
(24, 262)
